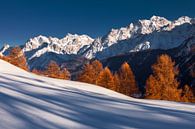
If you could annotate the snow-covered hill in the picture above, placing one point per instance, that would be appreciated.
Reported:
(29, 101)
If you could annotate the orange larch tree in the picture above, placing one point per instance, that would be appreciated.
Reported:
(116, 82)
(106, 79)
(87, 74)
(64, 74)
(91, 72)
(38, 72)
(53, 70)
(187, 94)
(162, 84)
(17, 58)
(128, 84)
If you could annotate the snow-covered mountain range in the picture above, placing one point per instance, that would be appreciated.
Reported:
(155, 33)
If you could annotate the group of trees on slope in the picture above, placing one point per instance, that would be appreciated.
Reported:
(53, 70)
(17, 58)
(162, 84)
(122, 81)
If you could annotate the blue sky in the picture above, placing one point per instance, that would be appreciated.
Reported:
(22, 19)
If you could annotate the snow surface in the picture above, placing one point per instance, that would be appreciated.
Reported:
(29, 101)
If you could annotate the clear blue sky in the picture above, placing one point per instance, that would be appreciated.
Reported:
(22, 19)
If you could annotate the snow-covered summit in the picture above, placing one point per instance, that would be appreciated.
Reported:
(4, 49)
(142, 26)
(182, 20)
(70, 44)
(155, 23)
(155, 33)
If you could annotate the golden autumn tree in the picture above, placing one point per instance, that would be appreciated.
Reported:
(162, 84)
(53, 70)
(91, 72)
(128, 84)
(2, 57)
(64, 74)
(187, 94)
(38, 72)
(86, 74)
(116, 82)
(97, 66)
(17, 58)
(106, 79)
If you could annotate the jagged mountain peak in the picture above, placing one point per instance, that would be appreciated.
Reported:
(182, 20)
(145, 26)
(70, 44)
(4, 48)
(155, 17)
(153, 33)
(69, 35)
(70, 41)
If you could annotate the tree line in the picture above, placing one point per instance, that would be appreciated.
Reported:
(53, 70)
(162, 84)
(122, 81)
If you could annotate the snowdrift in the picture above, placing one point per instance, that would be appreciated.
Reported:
(29, 101)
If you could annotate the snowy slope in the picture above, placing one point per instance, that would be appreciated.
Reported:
(29, 101)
